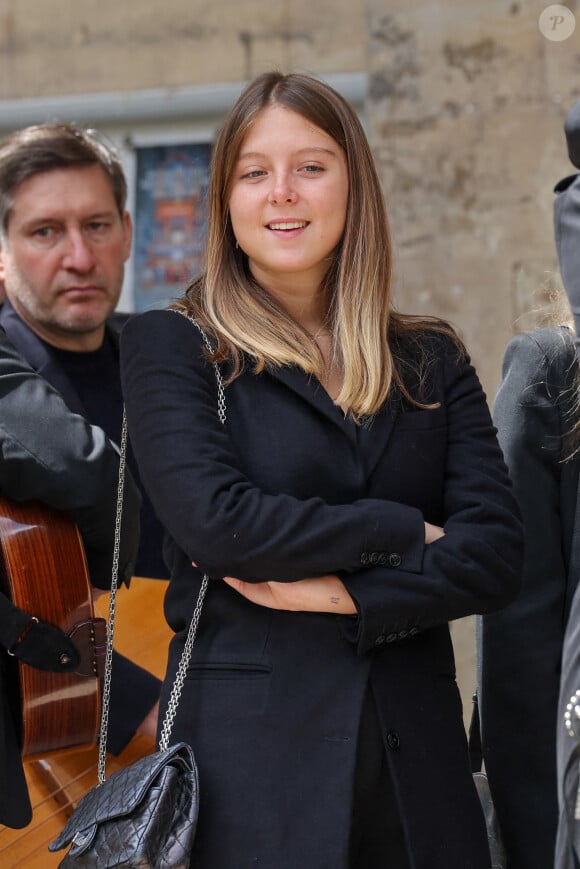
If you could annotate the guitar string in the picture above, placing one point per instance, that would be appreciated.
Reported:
(58, 811)
(34, 851)
(53, 795)
(15, 844)
(41, 846)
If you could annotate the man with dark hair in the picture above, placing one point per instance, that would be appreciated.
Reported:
(45, 147)
(51, 455)
(64, 239)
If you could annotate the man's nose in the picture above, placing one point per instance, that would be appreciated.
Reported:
(78, 254)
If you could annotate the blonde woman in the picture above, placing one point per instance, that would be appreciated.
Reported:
(354, 502)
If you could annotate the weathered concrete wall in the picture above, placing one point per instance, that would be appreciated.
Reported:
(467, 102)
(77, 46)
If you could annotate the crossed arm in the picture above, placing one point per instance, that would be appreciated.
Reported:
(320, 594)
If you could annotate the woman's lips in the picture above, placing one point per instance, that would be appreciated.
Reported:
(287, 228)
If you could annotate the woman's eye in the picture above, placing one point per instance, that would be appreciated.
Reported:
(254, 173)
(312, 169)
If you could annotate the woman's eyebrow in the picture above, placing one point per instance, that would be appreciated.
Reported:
(253, 155)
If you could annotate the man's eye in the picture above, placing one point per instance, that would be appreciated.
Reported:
(44, 232)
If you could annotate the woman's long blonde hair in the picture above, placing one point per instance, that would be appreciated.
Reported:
(247, 322)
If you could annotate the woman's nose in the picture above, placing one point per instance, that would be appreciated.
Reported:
(282, 191)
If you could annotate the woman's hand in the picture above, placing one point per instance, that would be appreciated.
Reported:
(433, 533)
(318, 594)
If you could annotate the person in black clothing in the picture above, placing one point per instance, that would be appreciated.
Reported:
(51, 455)
(530, 651)
(521, 645)
(567, 236)
(353, 503)
(65, 236)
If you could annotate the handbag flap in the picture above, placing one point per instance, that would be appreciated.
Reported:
(122, 792)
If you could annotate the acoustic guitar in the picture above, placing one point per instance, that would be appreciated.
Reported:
(43, 570)
(56, 784)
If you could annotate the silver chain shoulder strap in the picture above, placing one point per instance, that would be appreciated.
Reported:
(179, 680)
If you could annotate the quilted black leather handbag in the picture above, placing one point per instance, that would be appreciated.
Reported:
(143, 816)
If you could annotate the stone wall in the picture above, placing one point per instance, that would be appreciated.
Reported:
(78, 46)
(466, 105)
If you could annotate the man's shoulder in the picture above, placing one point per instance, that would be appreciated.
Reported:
(24, 339)
(117, 320)
(7, 313)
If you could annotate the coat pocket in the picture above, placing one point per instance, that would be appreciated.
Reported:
(228, 691)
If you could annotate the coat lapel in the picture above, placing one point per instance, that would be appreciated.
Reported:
(371, 437)
(38, 355)
(374, 434)
(311, 390)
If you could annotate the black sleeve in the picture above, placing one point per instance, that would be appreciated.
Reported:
(54, 456)
(476, 566)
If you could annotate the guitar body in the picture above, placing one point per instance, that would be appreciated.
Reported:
(43, 571)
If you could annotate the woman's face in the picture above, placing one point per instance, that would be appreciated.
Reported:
(288, 199)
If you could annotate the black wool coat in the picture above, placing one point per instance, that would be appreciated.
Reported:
(522, 644)
(289, 488)
(567, 236)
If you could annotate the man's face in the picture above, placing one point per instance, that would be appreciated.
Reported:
(63, 258)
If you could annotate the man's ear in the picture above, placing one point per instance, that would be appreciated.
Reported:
(128, 229)
(2, 269)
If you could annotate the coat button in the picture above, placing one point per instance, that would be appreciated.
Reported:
(374, 557)
(413, 632)
(364, 559)
(380, 640)
(403, 635)
(391, 638)
(395, 559)
(393, 740)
